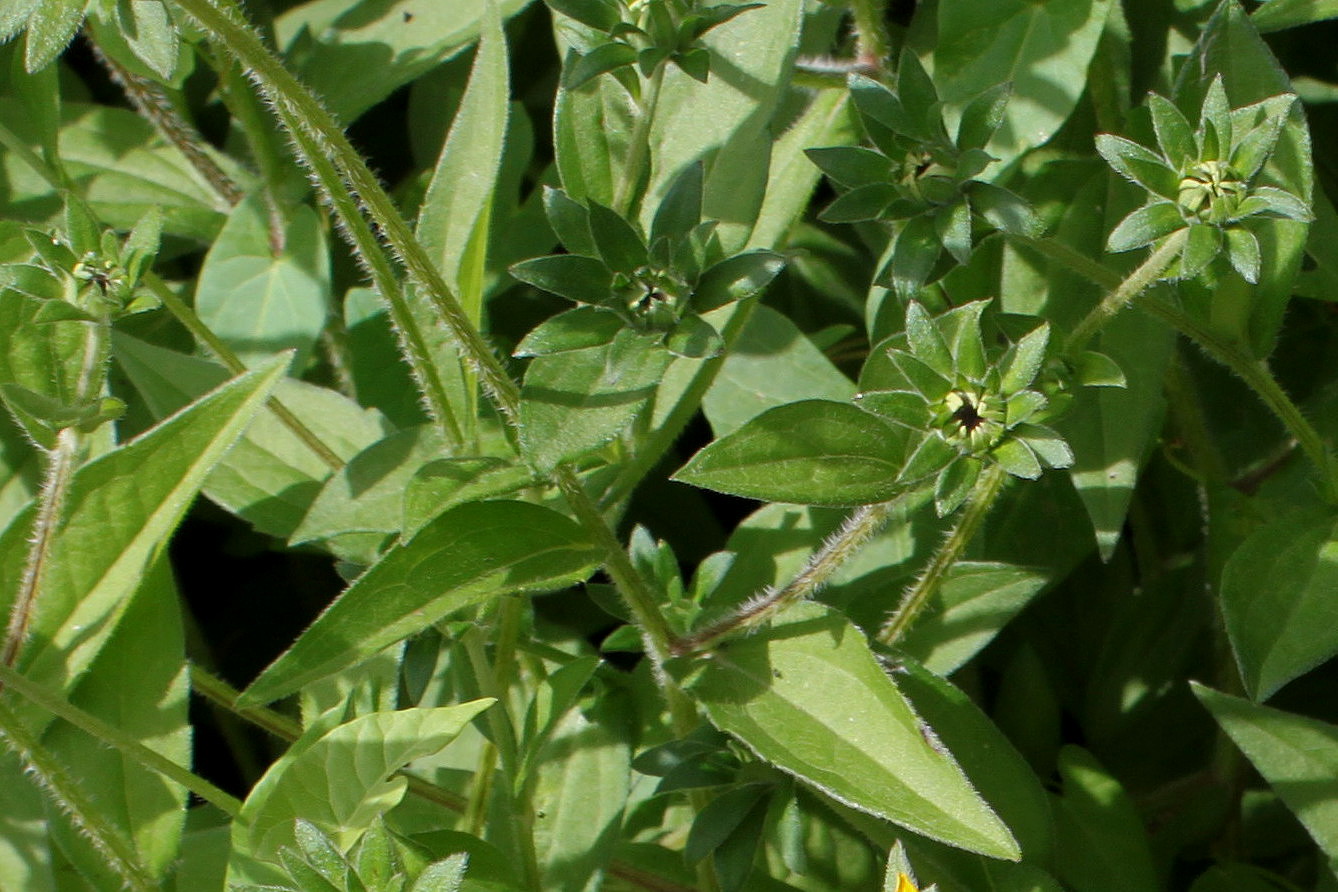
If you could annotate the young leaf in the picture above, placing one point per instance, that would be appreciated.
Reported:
(476, 551)
(812, 452)
(866, 749)
(260, 300)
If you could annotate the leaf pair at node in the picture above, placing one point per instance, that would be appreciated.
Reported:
(658, 286)
(920, 178)
(1204, 181)
(970, 407)
(376, 863)
(644, 34)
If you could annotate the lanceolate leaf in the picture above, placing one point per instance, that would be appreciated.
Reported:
(1298, 756)
(865, 748)
(1278, 600)
(120, 511)
(812, 452)
(469, 554)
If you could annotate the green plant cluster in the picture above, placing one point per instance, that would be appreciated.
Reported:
(665, 445)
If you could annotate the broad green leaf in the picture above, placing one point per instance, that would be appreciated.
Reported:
(582, 787)
(573, 330)
(138, 683)
(120, 510)
(591, 126)
(366, 496)
(812, 452)
(19, 471)
(271, 478)
(751, 58)
(1276, 15)
(381, 377)
(865, 749)
(474, 552)
(1112, 430)
(46, 360)
(575, 402)
(975, 601)
(339, 778)
(445, 483)
(772, 363)
(1101, 845)
(147, 27)
(997, 770)
(1278, 601)
(455, 219)
(1230, 46)
(263, 288)
(353, 61)
(1042, 49)
(1298, 756)
(51, 27)
(121, 166)
(25, 842)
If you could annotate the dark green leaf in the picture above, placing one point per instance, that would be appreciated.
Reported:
(570, 221)
(1004, 210)
(1139, 165)
(694, 338)
(852, 166)
(619, 244)
(602, 59)
(736, 278)
(1145, 226)
(1100, 841)
(982, 117)
(812, 452)
(577, 278)
(573, 330)
(681, 208)
(861, 203)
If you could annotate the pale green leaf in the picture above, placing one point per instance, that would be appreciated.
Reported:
(339, 778)
(120, 511)
(865, 748)
(473, 552)
(1278, 601)
(271, 478)
(51, 27)
(265, 283)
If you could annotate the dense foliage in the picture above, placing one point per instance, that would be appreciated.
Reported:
(740, 446)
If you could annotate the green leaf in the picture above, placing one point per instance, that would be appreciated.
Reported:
(861, 203)
(852, 166)
(1279, 14)
(1298, 756)
(1017, 458)
(577, 278)
(694, 338)
(601, 15)
(618, 243)
(736, 278)
(38, 361)
(772, 364)
(354, 61)
(577, 329)
(147, 27)
(865, 748)
(1101, 845)
(366, 495)
(1004, 210)
(681, 208)
(1175, 136)
(601, 60)
(975, 601)
(271, 477)
(446, 875)
(1145, 226)
(448, 482)
(51, 27)
(1277, 600)
(914, 254)
(262, 290)
(983, 116)
(138, 682)
(467, 555)
(120, 510)
(812, 452)
(1139, 165)
(338, 778)
(575, 402)
(591, 128)
(1243, 252)
(1042, 49)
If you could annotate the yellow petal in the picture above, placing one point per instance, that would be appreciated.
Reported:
(904, 884)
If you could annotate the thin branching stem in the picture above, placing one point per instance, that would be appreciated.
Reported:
(978, 504)
(1138, 281)
(862, 525)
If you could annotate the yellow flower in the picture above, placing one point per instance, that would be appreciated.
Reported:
(904, 884)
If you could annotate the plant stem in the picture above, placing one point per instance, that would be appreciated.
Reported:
(1138, 281)
(1257, 375)
(861, 526)
(115, 737)
(639, 145)
(64, 790)
(873, 46)
(978, 505)
(223, 353)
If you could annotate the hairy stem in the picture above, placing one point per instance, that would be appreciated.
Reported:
(873, 46)
(64, 790)
(862, 525)
(1133, 285)
(978, 505)
(120, 740)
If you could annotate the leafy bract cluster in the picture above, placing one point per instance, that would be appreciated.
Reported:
(920, 177)
(971, 408)
(1203, 182)
(376, 863)
(658, 286)
(645, 34)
